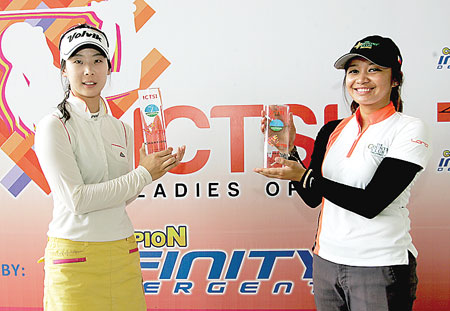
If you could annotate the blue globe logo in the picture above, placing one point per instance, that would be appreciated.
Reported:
(151, 110)
(276, 125)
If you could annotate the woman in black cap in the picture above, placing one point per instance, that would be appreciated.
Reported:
(361, 173)
(91, 259)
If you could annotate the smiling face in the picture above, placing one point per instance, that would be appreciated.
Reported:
(87, 71)
(368, 84)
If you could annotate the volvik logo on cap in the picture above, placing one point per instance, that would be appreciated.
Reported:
(81, 36)
(84, 34)
(366, 45)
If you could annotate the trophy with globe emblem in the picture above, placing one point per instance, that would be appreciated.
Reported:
(152, 118)
(276, 136)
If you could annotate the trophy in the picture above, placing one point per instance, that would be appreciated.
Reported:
(152, 118)
(276, 136)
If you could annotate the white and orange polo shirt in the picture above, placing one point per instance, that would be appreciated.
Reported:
(352, 157)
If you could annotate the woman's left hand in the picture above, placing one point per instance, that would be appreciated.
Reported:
(291, 170)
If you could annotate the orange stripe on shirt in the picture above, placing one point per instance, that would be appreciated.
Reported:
(337, 131)
(68, 135)
(334, 135)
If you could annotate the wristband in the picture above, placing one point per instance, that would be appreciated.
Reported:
(293, 155)
(308, 179)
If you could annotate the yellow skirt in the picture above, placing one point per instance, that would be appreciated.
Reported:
(84, 276)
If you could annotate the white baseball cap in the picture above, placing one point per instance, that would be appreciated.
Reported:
(82, 35)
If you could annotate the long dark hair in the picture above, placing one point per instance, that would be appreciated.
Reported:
(397, 76)
(65, 115)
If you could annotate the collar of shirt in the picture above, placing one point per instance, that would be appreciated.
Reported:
(78, 106)
(378, 115)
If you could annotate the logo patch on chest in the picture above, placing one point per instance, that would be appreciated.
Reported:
(378, 150)
(122, 155)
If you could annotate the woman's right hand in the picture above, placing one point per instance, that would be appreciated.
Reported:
(291, 170)
(291, 126)
(158, 163)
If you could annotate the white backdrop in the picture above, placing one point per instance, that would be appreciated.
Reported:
(241, 53)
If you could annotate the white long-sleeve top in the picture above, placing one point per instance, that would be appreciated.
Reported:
(88, 163)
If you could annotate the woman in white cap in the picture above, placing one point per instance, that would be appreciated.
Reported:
(91, 259)
(361, 173)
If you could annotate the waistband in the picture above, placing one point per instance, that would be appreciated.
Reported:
(131, 238)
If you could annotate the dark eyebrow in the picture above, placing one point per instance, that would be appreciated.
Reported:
(79, 55)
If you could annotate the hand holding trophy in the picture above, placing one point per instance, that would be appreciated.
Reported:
(279, 135)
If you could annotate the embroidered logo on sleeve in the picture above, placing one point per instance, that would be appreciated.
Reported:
(418, 141)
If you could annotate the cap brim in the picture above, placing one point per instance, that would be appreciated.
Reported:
(68, 54)
(342, 61)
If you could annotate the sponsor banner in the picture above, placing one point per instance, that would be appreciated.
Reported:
(443, 62)
(443, 112)
(444, 161)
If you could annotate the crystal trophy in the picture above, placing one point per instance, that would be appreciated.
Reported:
(152, 118)
(276, 136)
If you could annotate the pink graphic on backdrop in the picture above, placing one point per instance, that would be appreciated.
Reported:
(21, 83)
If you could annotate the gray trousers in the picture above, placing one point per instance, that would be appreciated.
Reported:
(349, 288)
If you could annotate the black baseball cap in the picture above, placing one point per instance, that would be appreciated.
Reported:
(379, 50)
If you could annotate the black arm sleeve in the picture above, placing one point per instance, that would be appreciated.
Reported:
(312, 196)
(390, 179)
